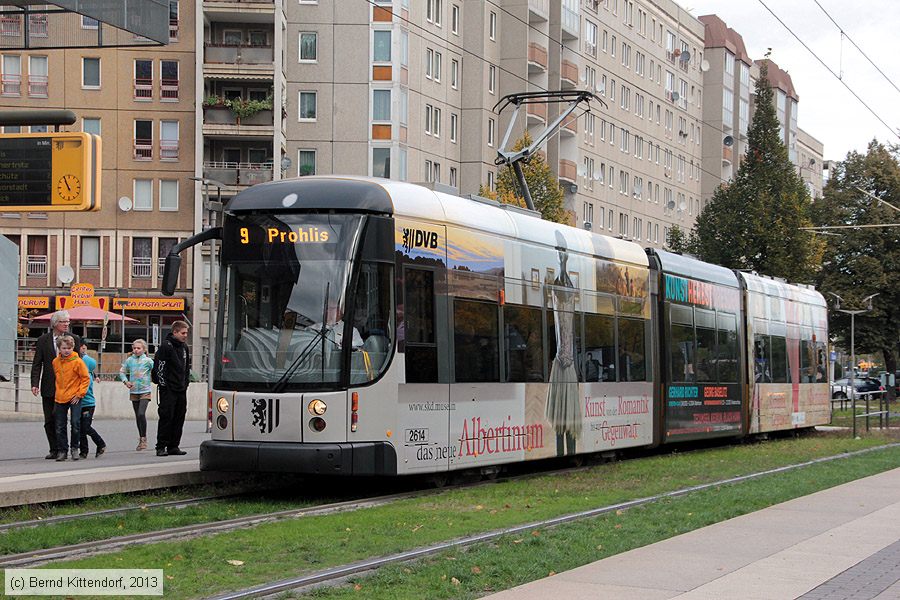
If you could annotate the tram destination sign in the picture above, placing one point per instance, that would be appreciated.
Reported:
(26, 168)
(50, 172)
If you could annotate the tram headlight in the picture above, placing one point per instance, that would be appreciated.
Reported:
(317, 424)
(317, 407)
(222, 405)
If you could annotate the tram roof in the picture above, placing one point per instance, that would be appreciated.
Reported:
(693, 268)
(384, 196)
(782, 289)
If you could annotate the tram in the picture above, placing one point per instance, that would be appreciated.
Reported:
(374, 327)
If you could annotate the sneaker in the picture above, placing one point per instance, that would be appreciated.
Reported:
(50, 456)
(161, 452)
(61, 457)
(74, 454)
(100, 450)
(82, 455)
(176, 451)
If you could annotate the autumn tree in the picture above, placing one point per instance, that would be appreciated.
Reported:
(754, 221)
(543, 184)
(863, 261)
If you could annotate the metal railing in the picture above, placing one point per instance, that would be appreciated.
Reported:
(168, 150)
(37, 85)
(11, 85)
(36, 266)
(141, 267)
(143, 149)
(168, 89)
(143, 88)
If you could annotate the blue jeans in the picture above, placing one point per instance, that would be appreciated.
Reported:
(87, 430)
(59, 415)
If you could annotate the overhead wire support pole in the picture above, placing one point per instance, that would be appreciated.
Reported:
(514, 159)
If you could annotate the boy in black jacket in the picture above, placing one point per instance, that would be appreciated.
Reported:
(171, 372)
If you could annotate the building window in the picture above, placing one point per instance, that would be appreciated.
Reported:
(454, 19)
(36, 259)
(402, 162)
(306, 162)
(89, 23)
(436, 69)
(37, 76)
(143, 79)
(429, 61)
(492, 78)
(308, 46)
(141, 257)
(492, 28)
(90, 252)
(428, 110)
(404, 106)
(454, 73)
(164, 246)
(381, 162)
(143, 139)
(404, 48)
(381, 105)
(90, 125)
(490, 132)
(12, 75)
(436, 122)
(173, 20)
(381, 46)
(490, 180)
(168, 80)
(433, 9)
(307, 106)
(453, 126)
(168, 140)
(452, 180)
(143, 194)
(168, 195)
(90, 73)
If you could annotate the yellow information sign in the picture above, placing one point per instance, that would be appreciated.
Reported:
(50, 171)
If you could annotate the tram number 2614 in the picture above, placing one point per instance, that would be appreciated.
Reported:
(417, 436)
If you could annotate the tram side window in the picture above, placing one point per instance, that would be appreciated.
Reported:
(821, 362)
(524, 344)
(681, 347)
(599, 348)
(418, 310)
(807, 361)
(726, 348)
(476, 347)
(779, 360)
(632, 365)
(706, 345)
(762, 359)
(373, 319)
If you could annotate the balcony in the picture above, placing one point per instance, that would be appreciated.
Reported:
(238, 174)
(538, 10)
(569, 126)
(568, 74)
(141, 267)
(568, 171)
(537, 113)
(537, 58)
(571, 23)
(143, 88)
(36, 266)
(143, 149)
(222, 121)
(238, 54)
(727, 155)
(37, 86)
(246, 11)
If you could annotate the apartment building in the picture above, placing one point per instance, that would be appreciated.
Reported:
(140, 100)
(811, 163)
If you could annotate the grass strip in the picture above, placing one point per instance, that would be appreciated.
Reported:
(236, 560)
(513, 561)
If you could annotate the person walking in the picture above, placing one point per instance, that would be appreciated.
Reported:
(135, 374)
(88, 403)
(171, 373)
(72, 381)
(43, 380)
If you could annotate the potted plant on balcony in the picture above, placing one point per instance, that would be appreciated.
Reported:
(215, 109)
(245, 109)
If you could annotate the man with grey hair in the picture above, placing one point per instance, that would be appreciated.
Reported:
(43, 380)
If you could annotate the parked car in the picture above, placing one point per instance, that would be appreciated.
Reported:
(840, 388)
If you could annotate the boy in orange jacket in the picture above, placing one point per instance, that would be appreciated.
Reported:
(72, 381)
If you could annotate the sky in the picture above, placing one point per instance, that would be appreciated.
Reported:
(828, 110)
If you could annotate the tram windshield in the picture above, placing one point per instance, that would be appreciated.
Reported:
(283, 322)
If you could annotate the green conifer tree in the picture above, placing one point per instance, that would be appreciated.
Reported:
(753, 222)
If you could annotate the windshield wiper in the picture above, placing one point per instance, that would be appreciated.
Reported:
(319, 334)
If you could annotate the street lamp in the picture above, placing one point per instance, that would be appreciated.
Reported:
(853, 313)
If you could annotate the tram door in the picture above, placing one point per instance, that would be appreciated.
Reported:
(424, 408)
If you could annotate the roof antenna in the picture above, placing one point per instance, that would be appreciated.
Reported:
(514, 158)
